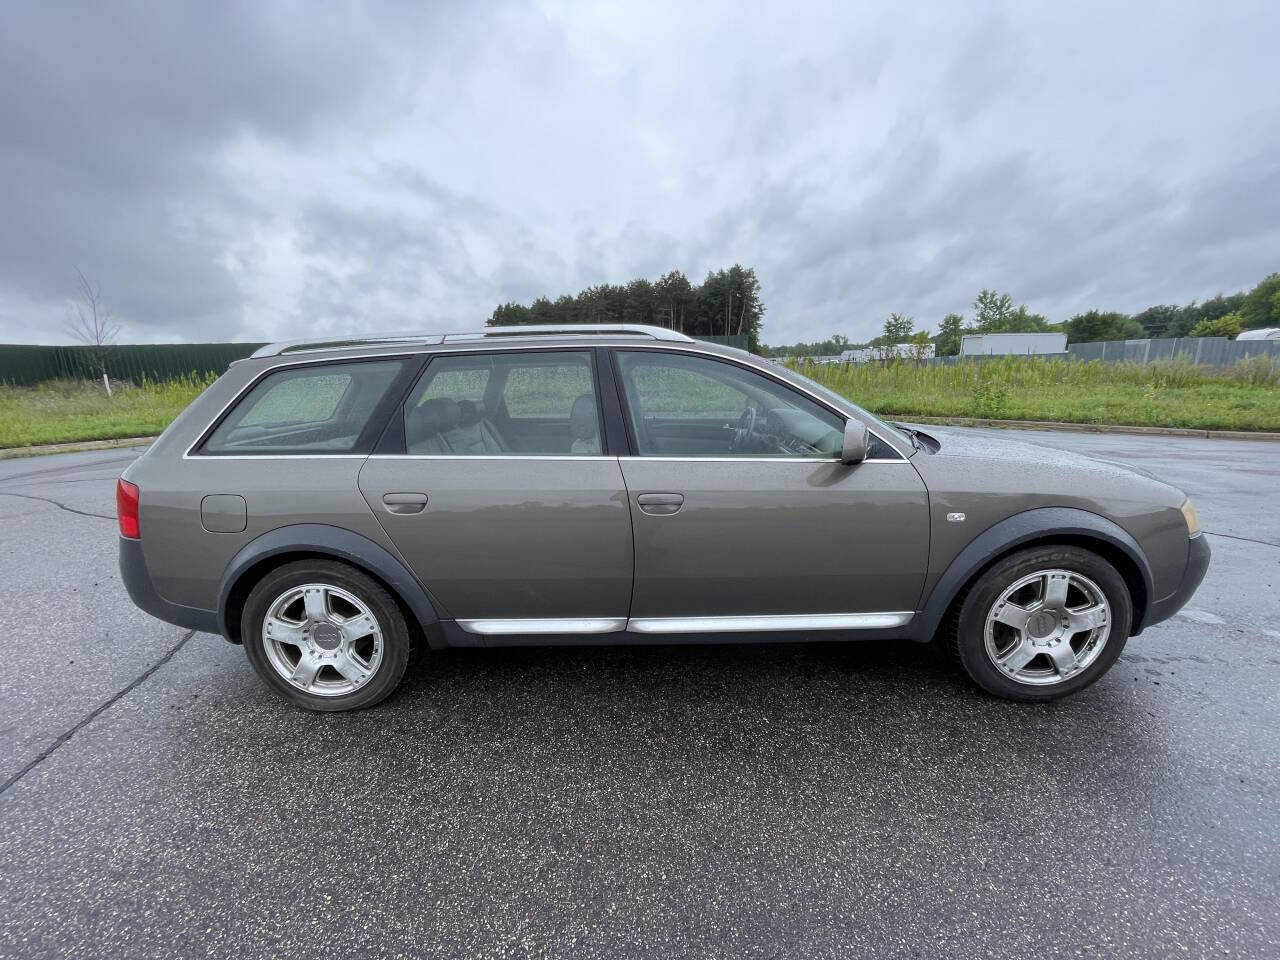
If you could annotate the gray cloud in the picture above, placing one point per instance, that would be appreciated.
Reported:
(257, 170)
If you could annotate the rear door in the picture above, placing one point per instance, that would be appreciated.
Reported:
(500, 494)
(744, 516)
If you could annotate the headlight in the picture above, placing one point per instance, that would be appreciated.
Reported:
(1193, 519)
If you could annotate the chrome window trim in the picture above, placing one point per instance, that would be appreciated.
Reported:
(689, 349)
(257, 378)
(674, 459)
(571, 457)
(820, 400)
(488, 456)
(277, 456)
(769, 622)
(544, 625)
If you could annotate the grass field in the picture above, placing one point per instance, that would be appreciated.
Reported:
(61, 411)
(1168, 394)
(1172, 394)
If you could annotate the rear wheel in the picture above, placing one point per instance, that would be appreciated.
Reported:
(325, 635)
(1043, 623)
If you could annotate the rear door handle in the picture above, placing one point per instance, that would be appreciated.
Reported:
(404, 502)
(660, 504)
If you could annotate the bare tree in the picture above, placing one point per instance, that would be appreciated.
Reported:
(93, 325)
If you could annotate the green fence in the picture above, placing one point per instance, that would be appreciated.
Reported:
(24, 366)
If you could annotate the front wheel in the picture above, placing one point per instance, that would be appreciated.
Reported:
(1043, 623)
(325, 635)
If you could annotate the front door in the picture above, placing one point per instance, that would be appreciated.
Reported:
(743, 515)
(503, 501)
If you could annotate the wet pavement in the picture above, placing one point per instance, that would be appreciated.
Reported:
(754, 800)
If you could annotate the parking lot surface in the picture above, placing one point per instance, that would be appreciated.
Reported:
(753, 800)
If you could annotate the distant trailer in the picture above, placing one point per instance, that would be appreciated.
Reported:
(1015, 344)
(1266, 333)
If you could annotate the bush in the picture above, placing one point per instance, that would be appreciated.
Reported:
(1228, 325)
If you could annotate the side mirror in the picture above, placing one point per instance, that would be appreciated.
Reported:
(855, 442)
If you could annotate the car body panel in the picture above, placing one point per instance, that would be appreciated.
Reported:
(989, 479)
(511, 537)
(768, 537)
(187, 561)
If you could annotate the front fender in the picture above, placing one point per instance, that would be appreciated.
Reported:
(1040, 524)
(335, 542)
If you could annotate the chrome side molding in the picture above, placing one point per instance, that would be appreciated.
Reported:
(658, 625)
(541, 625)
(755, 624)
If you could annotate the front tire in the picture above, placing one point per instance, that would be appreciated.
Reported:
(325, 635)
(1043, 623)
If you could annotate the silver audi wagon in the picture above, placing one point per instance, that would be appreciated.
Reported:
(330, 505)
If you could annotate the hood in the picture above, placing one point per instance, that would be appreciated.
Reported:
(967, 445)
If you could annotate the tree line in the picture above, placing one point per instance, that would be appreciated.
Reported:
(1226, 315)
(726, 303)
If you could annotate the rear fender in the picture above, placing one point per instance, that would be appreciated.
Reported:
(324, 540)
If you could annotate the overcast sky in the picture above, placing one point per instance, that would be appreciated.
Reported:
(253, 171)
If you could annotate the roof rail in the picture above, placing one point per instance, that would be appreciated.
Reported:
(536, 330)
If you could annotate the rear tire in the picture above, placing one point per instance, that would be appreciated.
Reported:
(325, 635)
(1043, 623)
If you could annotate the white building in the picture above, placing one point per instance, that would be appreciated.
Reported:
(903, 351)
(1017, 344)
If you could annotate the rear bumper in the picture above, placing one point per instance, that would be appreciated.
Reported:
(1198, 554)
(142, 591)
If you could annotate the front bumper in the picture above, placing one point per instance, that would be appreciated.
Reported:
(142, 591)
(1198, 554)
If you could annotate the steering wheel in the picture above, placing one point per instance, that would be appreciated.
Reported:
(745, 430)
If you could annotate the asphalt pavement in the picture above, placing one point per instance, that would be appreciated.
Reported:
(838, 799)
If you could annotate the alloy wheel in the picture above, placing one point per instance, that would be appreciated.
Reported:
(1046, 627)
(322, 639)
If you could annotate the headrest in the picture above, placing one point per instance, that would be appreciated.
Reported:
(583, 422)
(470, 411)
(433, 416)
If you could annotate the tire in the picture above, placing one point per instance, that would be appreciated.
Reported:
(336, 639)
(1017, 637)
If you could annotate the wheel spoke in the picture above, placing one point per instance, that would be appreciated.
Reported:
(304, 674)
(350, 668)
(283, 631)
(1087, 618)
(1017, 658)
(1064, 658)
(317, 604)
(1055, 591)
(357, 627)
(1012, 615)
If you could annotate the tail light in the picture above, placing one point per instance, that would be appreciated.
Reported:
(127, 508)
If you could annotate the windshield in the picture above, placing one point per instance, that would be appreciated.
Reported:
(886, 430)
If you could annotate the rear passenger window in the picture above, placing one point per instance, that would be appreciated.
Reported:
(539, 403)
(323, 408)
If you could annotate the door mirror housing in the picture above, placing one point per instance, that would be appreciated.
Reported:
(855, 442)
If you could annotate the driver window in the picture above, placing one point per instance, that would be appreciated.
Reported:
(687, 406)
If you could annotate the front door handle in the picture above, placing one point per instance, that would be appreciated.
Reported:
(660, 504)
(403, 503)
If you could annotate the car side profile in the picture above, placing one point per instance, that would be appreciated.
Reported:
(332, 504)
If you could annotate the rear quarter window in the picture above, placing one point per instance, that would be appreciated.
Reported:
(324, 408)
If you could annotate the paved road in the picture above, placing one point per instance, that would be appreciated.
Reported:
(815, 800)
